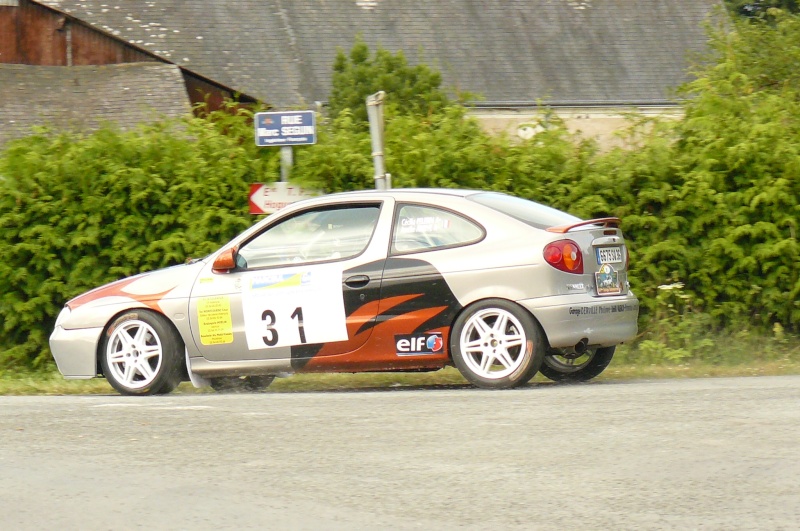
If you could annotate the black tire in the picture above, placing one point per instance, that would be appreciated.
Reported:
(142, 354)
(497, 334)
(241, 384)
(584, 368)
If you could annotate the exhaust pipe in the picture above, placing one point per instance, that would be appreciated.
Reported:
(580, 347)
(573, 352)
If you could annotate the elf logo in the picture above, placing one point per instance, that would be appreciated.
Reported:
(414, 345)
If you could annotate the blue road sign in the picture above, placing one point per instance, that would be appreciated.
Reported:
(290, 128)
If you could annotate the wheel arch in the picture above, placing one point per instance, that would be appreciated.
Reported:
(467, 307)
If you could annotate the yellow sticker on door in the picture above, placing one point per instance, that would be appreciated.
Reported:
(214, 320)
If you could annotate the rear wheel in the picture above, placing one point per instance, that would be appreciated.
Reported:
(577, 368)
(496, 344)
(141, 354)
(240, 384)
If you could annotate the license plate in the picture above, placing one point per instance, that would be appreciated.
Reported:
(609, 255)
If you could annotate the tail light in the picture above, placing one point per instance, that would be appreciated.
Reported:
(564, 255)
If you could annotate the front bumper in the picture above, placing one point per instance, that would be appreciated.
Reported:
(75, 351)
(603, 321)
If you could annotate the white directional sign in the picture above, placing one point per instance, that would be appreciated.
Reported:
(268, 198)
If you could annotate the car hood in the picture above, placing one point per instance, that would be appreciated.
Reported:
(146, 288)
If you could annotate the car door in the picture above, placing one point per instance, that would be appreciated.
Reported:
(309, 280)
(418, 305)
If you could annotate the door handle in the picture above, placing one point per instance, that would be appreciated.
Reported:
(357, 281)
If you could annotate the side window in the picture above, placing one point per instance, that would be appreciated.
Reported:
(312, 236)
(422, 228)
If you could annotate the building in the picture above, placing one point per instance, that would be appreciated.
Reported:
(590, 60)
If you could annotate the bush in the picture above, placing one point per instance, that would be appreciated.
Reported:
(79, 211)
(719, 194)
(711, 201)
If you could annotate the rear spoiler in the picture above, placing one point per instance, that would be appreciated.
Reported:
(605, 222)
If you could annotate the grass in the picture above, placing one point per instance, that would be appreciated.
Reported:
(51, 383)
(677, 354)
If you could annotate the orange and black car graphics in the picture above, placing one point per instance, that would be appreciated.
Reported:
(413, 302)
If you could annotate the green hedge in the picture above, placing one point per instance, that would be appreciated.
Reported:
(79, 211)
(710, 202)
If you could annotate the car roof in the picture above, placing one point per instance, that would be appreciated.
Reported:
(458, 192)
(446, 195)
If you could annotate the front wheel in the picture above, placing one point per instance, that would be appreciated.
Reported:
(497, 344)
(577, 368)
(141, 354)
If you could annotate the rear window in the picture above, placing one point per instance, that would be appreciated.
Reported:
(424, 228)
(534, 214)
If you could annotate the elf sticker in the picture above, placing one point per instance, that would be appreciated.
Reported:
(418, 344)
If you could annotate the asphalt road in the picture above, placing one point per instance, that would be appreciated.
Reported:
(677, 454)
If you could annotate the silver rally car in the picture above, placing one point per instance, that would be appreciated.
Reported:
(383, 280)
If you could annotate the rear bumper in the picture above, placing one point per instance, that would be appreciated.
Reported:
(603, 321)
(75, 351)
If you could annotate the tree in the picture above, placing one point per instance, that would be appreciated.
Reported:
(759, 8)
(410, 89)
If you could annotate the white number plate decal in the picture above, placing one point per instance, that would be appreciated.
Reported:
(609, 255)
(293, 307)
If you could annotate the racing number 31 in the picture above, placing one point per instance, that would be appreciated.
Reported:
(271, 339)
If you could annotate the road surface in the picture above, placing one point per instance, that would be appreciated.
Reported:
(670, 454)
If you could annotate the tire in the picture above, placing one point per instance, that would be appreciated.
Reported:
(240, 384)
(497, 344)
(581, 369)
(141, 354)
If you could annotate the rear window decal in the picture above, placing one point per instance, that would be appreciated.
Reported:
(423, 224)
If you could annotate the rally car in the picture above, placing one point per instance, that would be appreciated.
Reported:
(382, 280)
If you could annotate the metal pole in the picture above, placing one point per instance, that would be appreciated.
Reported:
(375, 114)
(287, 160)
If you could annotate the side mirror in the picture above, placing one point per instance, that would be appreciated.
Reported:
(225, 261)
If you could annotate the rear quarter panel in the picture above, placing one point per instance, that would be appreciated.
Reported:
(508, 263)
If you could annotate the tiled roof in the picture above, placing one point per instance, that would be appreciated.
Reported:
(83, 97)
(282, 51)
